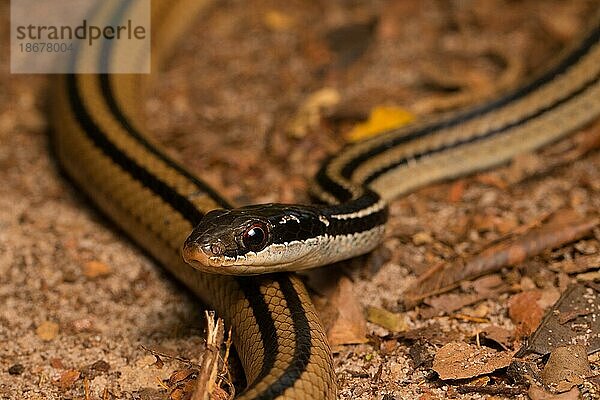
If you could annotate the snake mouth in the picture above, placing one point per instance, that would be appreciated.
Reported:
(200, 256)
(210, 257)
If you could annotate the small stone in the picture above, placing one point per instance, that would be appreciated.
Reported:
(101, 366)
(16, 369)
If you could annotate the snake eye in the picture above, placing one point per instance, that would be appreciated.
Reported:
(255, 237)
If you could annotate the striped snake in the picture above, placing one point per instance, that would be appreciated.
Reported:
(100, 142)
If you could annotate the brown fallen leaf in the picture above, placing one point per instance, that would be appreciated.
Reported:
(580, 305)
(183, 391)
(181, 375)
(565, 227)
(349, 325)
(47, 330)
(567, 366)
(67, 379)
(499, 335)
(394, 322)
(98, 368)
(486, 284)
(448, 303)
(537, 393)
(349, 41)
(525, 312)
(458, 360)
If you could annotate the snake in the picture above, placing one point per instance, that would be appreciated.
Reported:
(240, 261)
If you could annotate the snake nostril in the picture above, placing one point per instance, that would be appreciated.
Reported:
(216, 249)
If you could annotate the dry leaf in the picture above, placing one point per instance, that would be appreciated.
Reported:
(567, 366)
(451, 302)
(459, 360)
(487, 284)
(381, 119)
(537, 393)
(95, 269)
(349, 326)
(499, 335)
(178, 376)
(220, 394)
(349, 41)
(574, 319)
(47, 330)
(394, 322)
(525, 312)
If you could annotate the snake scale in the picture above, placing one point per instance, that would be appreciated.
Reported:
(100, 141)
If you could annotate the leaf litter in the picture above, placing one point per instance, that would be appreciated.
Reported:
(440, 222)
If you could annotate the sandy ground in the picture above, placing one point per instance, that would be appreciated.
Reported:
(79, 300)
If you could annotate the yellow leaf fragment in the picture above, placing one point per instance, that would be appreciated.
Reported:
(391, 321)
(382, 118)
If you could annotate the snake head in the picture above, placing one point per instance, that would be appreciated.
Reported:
(254, 239)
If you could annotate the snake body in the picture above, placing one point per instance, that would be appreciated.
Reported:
(100, 142)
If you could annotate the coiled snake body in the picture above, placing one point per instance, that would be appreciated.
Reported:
(100, 142)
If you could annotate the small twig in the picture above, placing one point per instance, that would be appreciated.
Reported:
(159, 354)
(162, 384)
(207, 376)
(469, 318)
(225, 376)
(86, 388)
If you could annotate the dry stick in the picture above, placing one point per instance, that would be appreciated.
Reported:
(565, 227)
(158, 354)
(207, 376)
